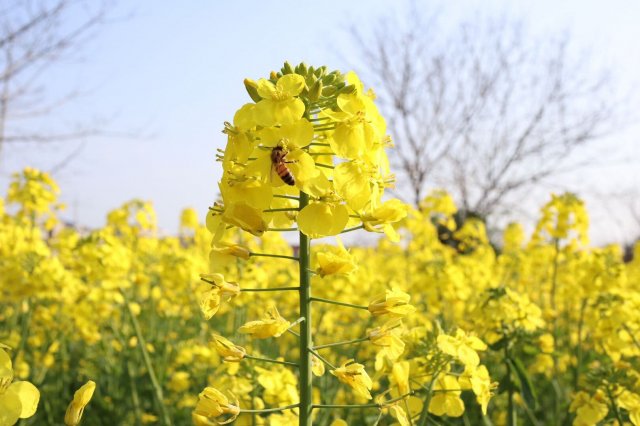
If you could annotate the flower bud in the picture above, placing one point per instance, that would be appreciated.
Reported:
(315, 91)
(287, 69)
(252, 89)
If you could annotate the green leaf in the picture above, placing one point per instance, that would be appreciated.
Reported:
(526, 387)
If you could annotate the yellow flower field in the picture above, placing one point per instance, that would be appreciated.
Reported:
(228, 323)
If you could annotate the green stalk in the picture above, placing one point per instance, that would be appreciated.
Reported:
(274, 361)
(147, 360)
(277, 256)
(346, 342)
(335, 302)
(269, 289)
(271, 410)
(306, 386)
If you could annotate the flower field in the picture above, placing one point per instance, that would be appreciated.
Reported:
(228, 322)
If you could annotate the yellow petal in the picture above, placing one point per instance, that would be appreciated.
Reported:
(29, 397)
(322, 219)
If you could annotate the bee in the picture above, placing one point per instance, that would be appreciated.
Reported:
(278, 155)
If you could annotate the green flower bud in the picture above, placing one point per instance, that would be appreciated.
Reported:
(287, 69)
(315, 91)
(301, 69)
(348, 89)
(328, 91)
(252, 89)
(328, 79)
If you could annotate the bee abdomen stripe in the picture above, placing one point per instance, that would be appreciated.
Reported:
(288, 179)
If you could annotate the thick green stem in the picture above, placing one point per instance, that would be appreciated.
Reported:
(306, 386)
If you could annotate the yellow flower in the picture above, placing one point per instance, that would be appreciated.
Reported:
(323, 219)
(213, 404)
(227, 350)
(317, 366)
(482, 386)
(462, 347)
(335, 261)
(80, 400)
(179, 381)
(400, 376)
(223, 254)
(353, 374)
(381, 218)
(352, 181)
(244, 216)
(273, 325)
(631, 402)
(387, 337)
(394, 303)
(189, 219)
(447, 402)
(148, 418)
(589, 409)
(220, 291)
(18, 399)
(290, 138)
(279, 104)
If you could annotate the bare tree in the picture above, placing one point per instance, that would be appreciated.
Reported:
(35, 35)
(484, 109)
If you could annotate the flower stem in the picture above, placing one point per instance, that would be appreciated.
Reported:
(288, 197)
(270, 289)
(372, 405)
(271, 410)
(323, 359)
(346, 342)
(306, 386)
(274, 361)
(334, 302)
(279, 256)
(282, 229)
(355, 228)
(142, 344)
(284, 209)
(326, 166)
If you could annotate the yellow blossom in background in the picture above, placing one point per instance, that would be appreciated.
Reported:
(448, 401)
(462, 347)
(589, 409)
(394, 303)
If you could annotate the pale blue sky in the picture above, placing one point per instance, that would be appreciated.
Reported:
(172, 73)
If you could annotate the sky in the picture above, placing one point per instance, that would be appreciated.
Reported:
(160, 78)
